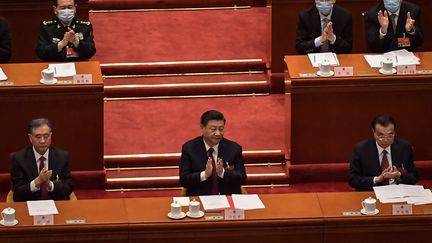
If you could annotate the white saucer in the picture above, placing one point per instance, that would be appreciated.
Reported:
(199, 215)
(42, 81)
(387, 73)
(319, 73)
(14, 223)
(180, 216)
(363, 211)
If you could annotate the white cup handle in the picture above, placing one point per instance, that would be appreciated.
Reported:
(363, 204)
(2, 215)
(42, 74)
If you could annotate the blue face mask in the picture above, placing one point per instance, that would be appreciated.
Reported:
(324, 7)
(392, 5)
(66, 15)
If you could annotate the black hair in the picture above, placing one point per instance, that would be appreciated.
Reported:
(211, 115)
(383, 120)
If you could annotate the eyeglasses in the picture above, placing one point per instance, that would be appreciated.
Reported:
(42, 136)
(385, 137)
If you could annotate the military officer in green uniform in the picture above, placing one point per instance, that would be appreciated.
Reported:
(65, 38)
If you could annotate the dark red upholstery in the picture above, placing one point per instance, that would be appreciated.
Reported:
(158, 4)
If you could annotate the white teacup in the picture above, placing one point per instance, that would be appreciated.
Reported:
(175, 209)
(8, 216)
(369, 205)
(324, 67)
(48, 75)
(387, 65)
(194, 208)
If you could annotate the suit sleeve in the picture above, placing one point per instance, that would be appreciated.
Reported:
(410, 175)
(343, 42)
(45, 49)
(304, 45)
(62, 181)
(375, 44)
(235, 176)
(86, 48)
(416, 39)
(21, 186)
(188, 177)
(5, 42)
(356, 178)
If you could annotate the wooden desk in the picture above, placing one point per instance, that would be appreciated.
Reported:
(296, 217)
(76, 112)
(330, 115)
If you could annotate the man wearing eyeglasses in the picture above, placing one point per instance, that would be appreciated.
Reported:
(383, 159)
(324, 27)
(40, 171)
(65, 38)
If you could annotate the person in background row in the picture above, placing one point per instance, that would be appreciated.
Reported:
(5, 41)
(211, 164)
(393, 25)
(324, 27)
(65, 38)
(40, 171)
(382, 160)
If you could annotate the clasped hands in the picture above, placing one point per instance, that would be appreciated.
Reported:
(327, 33)
(209, 167)
(44, 178)
(389, 173)
(383, 19)
(68, 37)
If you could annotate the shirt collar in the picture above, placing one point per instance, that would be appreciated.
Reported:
(380, 149)
(37, 155)
(207, 146)
(322, 17)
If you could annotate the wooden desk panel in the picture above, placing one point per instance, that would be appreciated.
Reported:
(330, 115)
(376, 228)
(76, 112)
(287, 217)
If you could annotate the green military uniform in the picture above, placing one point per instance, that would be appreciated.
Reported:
(52, 32)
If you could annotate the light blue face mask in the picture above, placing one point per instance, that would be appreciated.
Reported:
(66, 15)
(392, 5)
(324, 7)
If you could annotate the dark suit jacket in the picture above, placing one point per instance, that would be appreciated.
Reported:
(389, 42)
(194, 159)
(24, 170)
(365, 164)
(309, 28)
(5, 41)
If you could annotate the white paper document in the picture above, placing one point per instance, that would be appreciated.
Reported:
(247, 201)
(63, 69)
(400, 58)
(427, 199)
(2, 75)
(42, 207)
(317, 58)
(214, 202)
(401, 193)
(183, 201)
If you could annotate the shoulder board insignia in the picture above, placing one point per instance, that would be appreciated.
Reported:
(84, 22)
(48, 22)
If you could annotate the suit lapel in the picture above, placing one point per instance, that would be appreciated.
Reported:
(33, 165)
(317, 20)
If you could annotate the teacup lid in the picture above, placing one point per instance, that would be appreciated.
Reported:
(370, 200)
(8, 210)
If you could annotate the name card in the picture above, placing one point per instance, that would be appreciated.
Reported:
(82, 79)
(344, 71)
(402, 209)
(6, 83)
(43, 219)
(406, 69)
(234, 214)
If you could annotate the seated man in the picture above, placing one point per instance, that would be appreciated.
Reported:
(5, 41)
(65, 38)
(41, 172)
(382, 160)
(324, 27)
(393, 25)
(211, 164)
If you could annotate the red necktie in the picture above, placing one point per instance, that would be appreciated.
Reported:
(215, 185)
(384, 164)
(43, 187)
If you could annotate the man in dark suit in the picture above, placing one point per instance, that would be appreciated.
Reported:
(5, 41)
(382, 160)
(393, 25)
(211, 164)
(324, 27)
(65, 38)
(41, 172)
